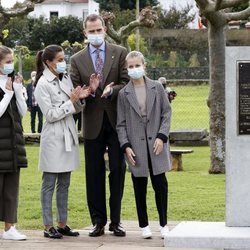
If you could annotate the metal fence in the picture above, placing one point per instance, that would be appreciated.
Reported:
(189, 108)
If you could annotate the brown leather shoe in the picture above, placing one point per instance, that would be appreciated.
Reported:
(98, 230)
(117, 229)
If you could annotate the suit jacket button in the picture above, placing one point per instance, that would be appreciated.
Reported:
(59, 92)
(149, 138)
(54, 83)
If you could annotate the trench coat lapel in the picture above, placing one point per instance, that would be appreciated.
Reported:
(64, 85)
(130, 94)
(151, 94)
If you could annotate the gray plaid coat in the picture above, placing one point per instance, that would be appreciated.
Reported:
(133, 131)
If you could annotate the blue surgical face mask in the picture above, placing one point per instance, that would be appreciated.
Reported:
(8, 68)
(136, 73)
(61, 67)
(96, 39)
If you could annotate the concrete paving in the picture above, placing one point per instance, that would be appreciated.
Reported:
(132, 241)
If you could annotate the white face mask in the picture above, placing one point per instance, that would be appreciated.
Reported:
(96, 39)
(61, 67)
(8, 68)
(136, 73)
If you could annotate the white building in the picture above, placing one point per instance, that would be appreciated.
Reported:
(179, 4)
(60, 8)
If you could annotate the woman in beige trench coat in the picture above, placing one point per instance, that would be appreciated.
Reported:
(59, 151)
(143, 125)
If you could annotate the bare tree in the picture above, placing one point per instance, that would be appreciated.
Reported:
(147, 18)
(21, 9)
(218, 14)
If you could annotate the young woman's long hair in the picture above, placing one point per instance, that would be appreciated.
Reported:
(4, 51)
(49, 53)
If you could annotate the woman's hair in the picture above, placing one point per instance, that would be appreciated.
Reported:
(49, 53)
(4, 51)
(134, 54)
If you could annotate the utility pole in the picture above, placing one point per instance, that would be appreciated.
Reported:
(137, 38)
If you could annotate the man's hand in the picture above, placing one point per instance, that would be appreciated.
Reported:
(94, 82)
(158, 146)
(107, 90)
(130, 155)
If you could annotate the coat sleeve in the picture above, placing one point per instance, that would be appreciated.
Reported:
(124, 79)
(166, 113)
(20, 100)
(121, 123)
(79, 106)
(51, 112)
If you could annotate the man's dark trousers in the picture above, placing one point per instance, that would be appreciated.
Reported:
(96, 174)
(33, 111)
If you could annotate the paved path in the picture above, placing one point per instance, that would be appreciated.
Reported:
(132, 241)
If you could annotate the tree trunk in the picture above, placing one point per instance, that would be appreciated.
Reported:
(216, 101)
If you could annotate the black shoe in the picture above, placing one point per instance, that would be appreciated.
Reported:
(98, 230)
(67, 231)
(52, 233)
(117, 229)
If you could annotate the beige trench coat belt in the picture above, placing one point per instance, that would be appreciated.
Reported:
(67, 134)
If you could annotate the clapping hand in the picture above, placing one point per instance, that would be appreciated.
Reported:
(94, 82)
(18, 78)
(75, 94)
(9, 84)
(85, 92)
(107, 90)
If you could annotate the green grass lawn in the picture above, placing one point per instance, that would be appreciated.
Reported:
(189, 109)
(193, 193)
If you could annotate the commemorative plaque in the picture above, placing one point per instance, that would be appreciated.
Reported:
(243, 71)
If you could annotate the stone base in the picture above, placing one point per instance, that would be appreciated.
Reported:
(215, 235)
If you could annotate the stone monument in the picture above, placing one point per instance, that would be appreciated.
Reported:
(234, 234)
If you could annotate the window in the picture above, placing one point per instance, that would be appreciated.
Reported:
(84, 14)
(53, 14)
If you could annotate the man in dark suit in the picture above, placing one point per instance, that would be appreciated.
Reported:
(101, 66)
(33, 107)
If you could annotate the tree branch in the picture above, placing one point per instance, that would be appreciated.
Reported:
(25, 8)
(218, 4)
(202, 4)
(126, 30)
(241, 15)
(231, 3)
(113, 34)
